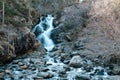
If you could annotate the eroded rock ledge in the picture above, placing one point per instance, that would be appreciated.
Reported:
(16, 43)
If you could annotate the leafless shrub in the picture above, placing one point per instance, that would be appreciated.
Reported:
(105, 13)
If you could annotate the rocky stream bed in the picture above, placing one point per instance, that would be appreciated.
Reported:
(76, 43)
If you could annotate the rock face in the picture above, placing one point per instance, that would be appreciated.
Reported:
(6, 49)
(16, 44)
(5, 53)
(72, 20)
(25, 43)
(76, 61)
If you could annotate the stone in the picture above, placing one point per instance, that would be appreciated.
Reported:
(83, 77)
(2, 74)
(15, 61)
(7, 71)
(79, 45)
(45, 74)
(45, 69)
(76, 61)
(20, 63)
(38, 78)
(116, 70)
(65, 57)
(24, 67)
(117, 77)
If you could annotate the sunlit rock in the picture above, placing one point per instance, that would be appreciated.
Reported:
(76, 61)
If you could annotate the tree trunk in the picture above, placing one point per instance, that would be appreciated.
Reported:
(29, 13)
(3, 13)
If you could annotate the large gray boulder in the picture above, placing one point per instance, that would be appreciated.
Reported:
(76, 61)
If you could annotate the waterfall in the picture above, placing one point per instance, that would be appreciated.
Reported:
(54, 65)
(45, 27)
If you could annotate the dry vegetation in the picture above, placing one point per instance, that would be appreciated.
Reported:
(105, 13)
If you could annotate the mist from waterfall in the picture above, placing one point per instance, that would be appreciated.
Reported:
(45, 27)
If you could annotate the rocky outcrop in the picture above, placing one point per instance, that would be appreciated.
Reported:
(25, 43)
(6, 51)
(16, 43)
(72, 20)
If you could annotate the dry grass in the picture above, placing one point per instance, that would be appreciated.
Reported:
(106, 13)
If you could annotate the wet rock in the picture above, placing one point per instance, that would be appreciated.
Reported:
(2, 74)
(99, 72)
(20, 63)
(24, 67)
(8, 71)
(45, 74)
(66, 61)
(55, 53)
(76, 61)
(15, 61)
(116, 70)
(38, 78)
(38, 30)
(83, 77)
(65, 57)
(45, 69)
(16, 75)
(88, 68)
(114, 77)
(79, 45)
(113, 69)
(75, 53)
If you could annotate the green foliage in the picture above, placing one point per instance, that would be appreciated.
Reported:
(9, 11)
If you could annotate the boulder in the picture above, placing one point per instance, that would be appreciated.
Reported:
(76, 61)
(17, 45)
(45, 74)
(25, 43)
(6, 51)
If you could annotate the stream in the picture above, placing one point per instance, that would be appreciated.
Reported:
(54, 68)
(55, 65)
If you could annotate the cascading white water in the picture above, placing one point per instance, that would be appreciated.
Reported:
(46, 26)
(55, 66)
